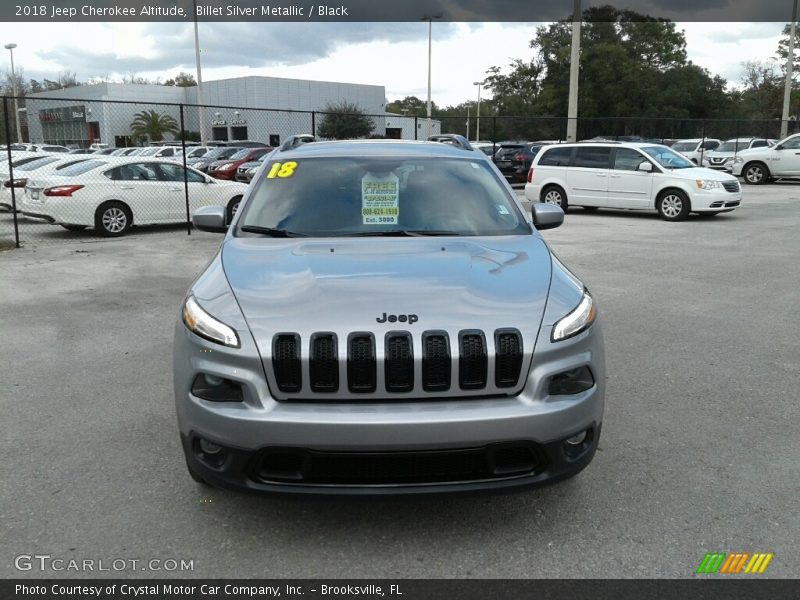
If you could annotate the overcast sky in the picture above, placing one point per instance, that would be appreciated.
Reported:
(390, 54)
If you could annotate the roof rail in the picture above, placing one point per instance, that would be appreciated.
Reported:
(451, 138)
(293, 141)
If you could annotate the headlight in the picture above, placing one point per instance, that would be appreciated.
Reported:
(577, 321)
(206, 326)
(705, 184)
(738, 160)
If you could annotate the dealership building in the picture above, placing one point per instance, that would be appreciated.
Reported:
(234, 109)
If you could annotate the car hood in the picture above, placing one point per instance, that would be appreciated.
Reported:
(700, 173)
(755, 152)
(345, 285)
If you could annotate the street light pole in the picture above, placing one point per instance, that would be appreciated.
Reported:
(201, 112)
(478, 124)
(10, 48)
(467, 123)
(787, 89)
(429, 19)
(575, 57)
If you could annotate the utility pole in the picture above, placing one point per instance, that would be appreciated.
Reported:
(201, 112)
(787, 90)
(574, 64)
(10, 48)
(478, 125)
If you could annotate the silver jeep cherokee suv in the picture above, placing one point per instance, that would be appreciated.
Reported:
(382, 317)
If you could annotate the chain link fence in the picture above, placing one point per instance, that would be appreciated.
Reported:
(86, 169)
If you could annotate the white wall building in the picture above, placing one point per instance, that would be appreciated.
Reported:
(234, 110)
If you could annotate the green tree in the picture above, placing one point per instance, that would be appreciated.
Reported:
(344, 120)
(411, 106)
(782, 52)
(632, 66)
(153, 125)
(182, 80)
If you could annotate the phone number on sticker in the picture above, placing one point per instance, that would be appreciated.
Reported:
(380, 211)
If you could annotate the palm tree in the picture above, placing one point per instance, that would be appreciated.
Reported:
(149, 123)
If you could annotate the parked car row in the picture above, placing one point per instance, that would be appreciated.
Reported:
(113, 193)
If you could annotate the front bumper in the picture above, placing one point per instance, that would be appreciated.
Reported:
(717, 200)
(353, 431)
(493, 467)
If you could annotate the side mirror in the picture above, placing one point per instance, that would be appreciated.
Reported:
(546, 216)
(777, 147)
(210, 218)
(645, 167)
(209, 180)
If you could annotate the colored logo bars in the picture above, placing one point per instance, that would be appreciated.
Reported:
(738, 562)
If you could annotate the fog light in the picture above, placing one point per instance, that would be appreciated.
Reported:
(216, 389)
(577, 440)
(571, 382)
(209, 448)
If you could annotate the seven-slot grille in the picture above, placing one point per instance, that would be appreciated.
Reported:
(439, 371)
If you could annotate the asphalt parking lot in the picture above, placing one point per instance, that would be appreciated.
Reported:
(699, 450)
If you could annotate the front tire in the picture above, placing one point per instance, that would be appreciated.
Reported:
(113, 219)
(755, 173)
(553, 194)
(673, 205)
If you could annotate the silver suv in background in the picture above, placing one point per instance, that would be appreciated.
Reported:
(722, 158)
(695, 149)
(383, 317)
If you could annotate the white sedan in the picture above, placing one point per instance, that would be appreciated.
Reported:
(42, 164)
(112, 194)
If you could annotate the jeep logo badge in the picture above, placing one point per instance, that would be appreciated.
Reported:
(410, 319)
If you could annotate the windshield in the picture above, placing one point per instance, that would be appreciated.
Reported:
(360, 196)
(684, 146)
(732, 146)
(667, 157)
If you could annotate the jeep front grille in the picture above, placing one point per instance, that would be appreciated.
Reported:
(435, 364)
(508, 361)
(286, 361)
(323, 363)
(361, 363)
(472, 362)
(399, 362)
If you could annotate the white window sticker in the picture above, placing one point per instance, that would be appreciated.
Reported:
(379, 199)
(502, 210)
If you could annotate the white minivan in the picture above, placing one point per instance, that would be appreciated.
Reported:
(629, 175)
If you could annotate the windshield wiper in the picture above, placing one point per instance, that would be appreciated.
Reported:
(403, 233)
(271, 231)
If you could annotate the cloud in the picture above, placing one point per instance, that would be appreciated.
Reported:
(170, 46)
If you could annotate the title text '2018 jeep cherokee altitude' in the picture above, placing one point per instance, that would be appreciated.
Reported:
(383, 318)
